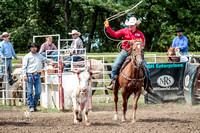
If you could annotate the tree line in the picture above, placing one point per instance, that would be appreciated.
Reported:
(160, 19)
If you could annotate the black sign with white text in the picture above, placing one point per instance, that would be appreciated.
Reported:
(167, 82)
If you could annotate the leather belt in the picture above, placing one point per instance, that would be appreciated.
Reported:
(36, 73)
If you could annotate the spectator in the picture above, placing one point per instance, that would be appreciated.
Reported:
(180, 42)
(76, 46)
(6, 52)
(48, 45)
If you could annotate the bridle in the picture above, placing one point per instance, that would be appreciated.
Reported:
(134, 55)
(136, 65)
(171, 56)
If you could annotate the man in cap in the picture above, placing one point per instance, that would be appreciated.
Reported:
(32, 68)
(6, 52)
(130, 33)
(76, 45)
(180, 42)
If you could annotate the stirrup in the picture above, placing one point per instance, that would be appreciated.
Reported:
(110, 86)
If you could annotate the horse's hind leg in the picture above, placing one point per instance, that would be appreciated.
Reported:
(115, 91)
(136, 97)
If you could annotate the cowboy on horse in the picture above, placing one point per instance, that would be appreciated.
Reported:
(129, 36)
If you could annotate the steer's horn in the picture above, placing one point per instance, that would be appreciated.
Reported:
(94, 72)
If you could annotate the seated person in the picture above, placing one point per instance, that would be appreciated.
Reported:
(180, 42)
(76, 44)
(48, 45)
(183, 58)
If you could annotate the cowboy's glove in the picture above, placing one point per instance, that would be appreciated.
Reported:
(106, 23)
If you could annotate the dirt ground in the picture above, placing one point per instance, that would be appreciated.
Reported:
(151, 118)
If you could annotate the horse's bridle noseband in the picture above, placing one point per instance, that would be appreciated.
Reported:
(133, 57)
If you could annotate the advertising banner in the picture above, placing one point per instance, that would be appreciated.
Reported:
(167, 82)
(188, 83)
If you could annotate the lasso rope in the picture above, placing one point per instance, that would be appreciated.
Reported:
(117, 16)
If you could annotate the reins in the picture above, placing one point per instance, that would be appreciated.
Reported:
(133, 58)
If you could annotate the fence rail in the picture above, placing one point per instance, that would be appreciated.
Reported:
(102, 82)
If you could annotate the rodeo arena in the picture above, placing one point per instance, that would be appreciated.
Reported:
(173, 82)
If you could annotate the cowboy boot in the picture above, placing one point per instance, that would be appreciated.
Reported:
(110, 86)
(149, 89)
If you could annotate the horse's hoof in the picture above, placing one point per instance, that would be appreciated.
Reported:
(115, 117)
(87, 124)
(123, 120)
(133, 122)
(75, 122)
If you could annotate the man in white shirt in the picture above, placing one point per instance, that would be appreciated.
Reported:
(32, 67)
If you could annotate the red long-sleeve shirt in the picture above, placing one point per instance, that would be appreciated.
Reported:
(127, 35)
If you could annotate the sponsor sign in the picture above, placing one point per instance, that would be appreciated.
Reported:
(167, 82)
(188, 85)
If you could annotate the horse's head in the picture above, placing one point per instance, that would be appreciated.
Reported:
(171, 52)
(137, 51)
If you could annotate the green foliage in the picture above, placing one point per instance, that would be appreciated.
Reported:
(160, 19)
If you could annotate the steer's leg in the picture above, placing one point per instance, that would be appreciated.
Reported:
(75, 110)
(80, 113)
(85, 110)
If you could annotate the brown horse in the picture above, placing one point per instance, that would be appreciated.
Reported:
(172, 55)
(130, 80)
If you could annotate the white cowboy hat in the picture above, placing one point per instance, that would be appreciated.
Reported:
(5, 33)
(75, 32)
(132, 21)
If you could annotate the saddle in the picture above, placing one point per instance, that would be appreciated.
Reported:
(128, 59)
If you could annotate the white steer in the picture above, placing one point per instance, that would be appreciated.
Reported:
(81, 94)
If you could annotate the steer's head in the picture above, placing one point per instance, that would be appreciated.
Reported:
(84, 78)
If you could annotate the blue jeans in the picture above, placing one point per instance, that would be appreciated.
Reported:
(33, 80)
(184, 52)
(51, 53)
(8, 63)
(118, 63)
(120, 60)
(1, 76)
(67, 67)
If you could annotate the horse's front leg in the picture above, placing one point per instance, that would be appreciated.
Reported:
(124, 109)
(85, 110)
(136, 97)
(115, 91)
